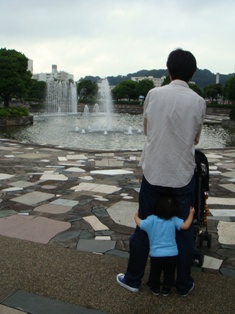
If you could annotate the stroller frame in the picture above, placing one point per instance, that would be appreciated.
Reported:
(201, 208)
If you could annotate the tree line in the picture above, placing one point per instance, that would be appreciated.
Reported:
(132, 90)
(16, 82)
(201, 77)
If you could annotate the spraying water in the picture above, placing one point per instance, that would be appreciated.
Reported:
(107, 102)
(61, 97)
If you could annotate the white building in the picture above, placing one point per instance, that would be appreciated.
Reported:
(55, 74)
(156, 81)
(30, 65)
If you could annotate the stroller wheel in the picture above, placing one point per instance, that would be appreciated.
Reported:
(201, 260)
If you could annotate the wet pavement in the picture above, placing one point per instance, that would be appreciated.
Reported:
(66, 216)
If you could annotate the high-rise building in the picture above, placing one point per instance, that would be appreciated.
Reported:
(59, 75)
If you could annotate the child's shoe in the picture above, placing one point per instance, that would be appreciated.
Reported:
(155, 291)
(166, 291)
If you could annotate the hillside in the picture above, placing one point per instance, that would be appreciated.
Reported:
(202, 77)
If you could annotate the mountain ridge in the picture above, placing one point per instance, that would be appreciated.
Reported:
(201, 77)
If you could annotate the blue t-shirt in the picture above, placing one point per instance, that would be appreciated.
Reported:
(162, 235)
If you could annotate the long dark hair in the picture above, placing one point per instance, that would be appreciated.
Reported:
(166, 206)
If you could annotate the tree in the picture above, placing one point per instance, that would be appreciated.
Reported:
(144, 86)
(15, 79)
(37, 91)
(117, 93)
(229, 89)
(166, 81)
(212, 91)
(126, 90)
(129, 89)
(87, 88)
(195, 88)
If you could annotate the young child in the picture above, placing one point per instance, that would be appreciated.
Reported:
(161, 229)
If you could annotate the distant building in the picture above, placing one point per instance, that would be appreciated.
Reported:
(55, 74)
(30, 65)
(156, 81)
(217, 78)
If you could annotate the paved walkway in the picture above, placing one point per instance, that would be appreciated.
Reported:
(65, 221)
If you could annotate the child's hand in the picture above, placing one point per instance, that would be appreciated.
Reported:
(137, 220)
(192, 210)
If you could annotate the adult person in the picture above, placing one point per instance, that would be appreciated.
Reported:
(173, 118)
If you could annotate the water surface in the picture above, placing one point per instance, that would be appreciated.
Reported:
(93, 131)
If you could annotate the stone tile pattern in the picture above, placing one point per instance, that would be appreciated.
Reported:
(37, 304)
(95, 195)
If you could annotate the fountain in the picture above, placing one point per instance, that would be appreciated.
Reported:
(86, 110)
(106, 102)
(78, 131)
(96, 108)
(100, 117)
(61, 97)
(98, 128)
(129, 130)
(105, 108)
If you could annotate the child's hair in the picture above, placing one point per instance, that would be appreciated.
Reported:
(166, 206)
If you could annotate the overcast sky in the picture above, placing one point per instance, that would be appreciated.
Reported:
(117, 37)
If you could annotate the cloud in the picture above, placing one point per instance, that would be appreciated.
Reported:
(109, 37)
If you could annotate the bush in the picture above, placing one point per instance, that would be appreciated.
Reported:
(216, 105)
(87, 100)
(13, 112)
(127, 102)
(232, 114)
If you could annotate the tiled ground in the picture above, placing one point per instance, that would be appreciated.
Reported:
(31, 303)
(50, 195)
(21, 189)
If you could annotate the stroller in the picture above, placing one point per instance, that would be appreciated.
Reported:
(201, 208)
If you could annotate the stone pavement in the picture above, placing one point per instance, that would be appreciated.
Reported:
(65, 221)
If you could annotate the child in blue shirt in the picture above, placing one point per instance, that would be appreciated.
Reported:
(161, 229)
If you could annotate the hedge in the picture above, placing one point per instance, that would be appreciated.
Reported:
(13, 112)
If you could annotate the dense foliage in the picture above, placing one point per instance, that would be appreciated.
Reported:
(126, 90)
(37, 91)
(229, 89)
(213, 91)
(87, 88)
(201, 78)
(143, 87)
(13, 112)
(196, 89)
(132, 90)
(15, 79)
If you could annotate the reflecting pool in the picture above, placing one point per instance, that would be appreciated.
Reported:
(89, 131)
